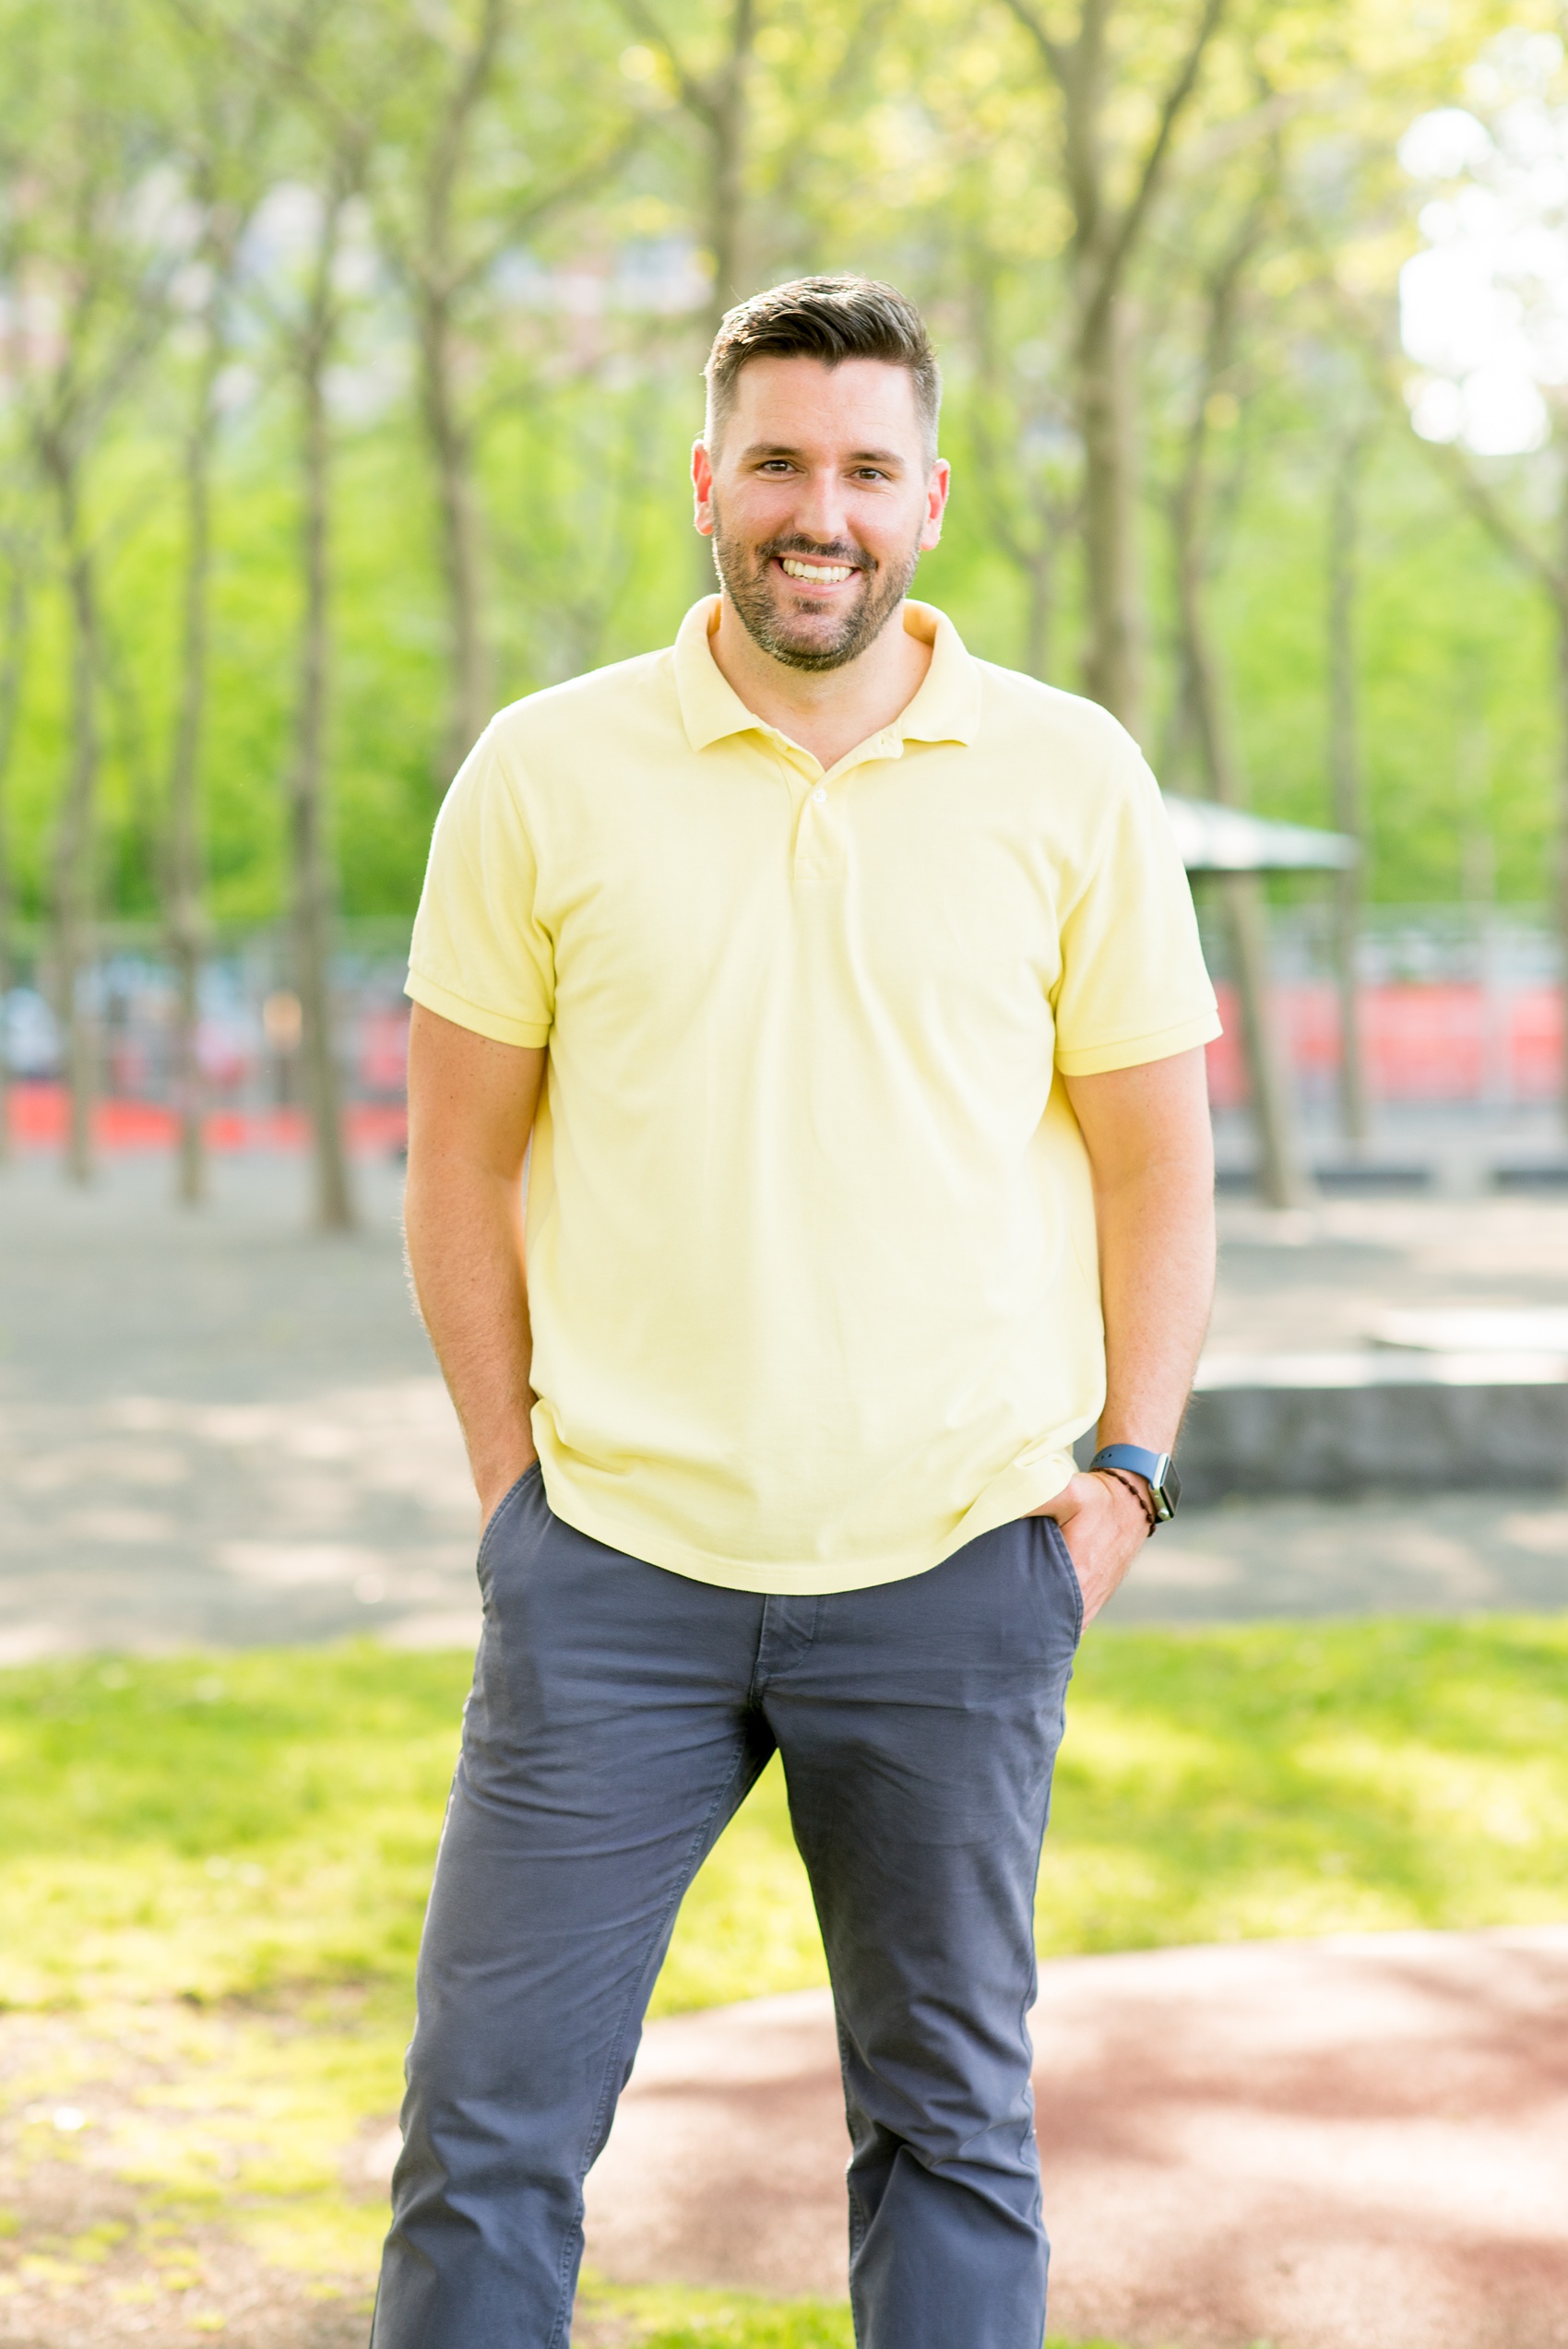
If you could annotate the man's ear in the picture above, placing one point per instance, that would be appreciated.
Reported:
(702, 485)
(936, 491)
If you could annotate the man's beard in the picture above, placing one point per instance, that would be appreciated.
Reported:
(797, 644)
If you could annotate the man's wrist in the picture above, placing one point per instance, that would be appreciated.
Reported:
(494, 1485)
(1155, 1472)
(1137, 1487)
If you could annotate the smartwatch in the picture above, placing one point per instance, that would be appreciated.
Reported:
(1157, 1468)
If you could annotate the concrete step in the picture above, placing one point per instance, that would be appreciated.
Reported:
(1333, 1423)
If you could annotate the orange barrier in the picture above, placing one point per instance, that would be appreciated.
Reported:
(38, 1122)
(1448, 1042)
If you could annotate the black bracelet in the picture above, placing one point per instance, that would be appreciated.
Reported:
(1145, 1503)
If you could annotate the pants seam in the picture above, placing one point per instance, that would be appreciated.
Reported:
(584, 2162)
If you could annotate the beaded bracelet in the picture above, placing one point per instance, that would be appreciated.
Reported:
(1145, 1503)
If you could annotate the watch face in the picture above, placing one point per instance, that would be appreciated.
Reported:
(1171, 1487)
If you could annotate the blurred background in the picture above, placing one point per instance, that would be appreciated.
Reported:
(350, 356)
(350, 359)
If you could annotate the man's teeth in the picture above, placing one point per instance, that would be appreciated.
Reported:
(826, 574)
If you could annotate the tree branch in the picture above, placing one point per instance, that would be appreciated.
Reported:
(1136, 211)
(1056, 57)
(1476, 494)
(697, 96)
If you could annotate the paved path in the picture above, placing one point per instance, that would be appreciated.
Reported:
(1349, 2145)
(218, 1429)
(1321, 1277)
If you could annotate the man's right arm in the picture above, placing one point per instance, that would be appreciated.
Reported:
(471, 1105)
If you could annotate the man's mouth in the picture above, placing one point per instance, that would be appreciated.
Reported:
(819, 575)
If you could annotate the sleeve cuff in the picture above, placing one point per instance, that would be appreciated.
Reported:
(1132, 1051)
(498, 1025)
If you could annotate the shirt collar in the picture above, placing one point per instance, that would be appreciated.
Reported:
(945, 709)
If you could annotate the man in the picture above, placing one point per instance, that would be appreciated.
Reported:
(848, 993)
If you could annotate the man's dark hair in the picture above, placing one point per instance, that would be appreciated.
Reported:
(830, 319)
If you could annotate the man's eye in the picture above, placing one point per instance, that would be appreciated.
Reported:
(870, 473)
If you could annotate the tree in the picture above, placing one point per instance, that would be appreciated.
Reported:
(1203, 705)
(89, 241)
(1492, 404)
(225, 131)
(312, 339)
(1024, 450)
(1112, 185)
(13, 651)
(1348, 452)
(715, 96)
(463, 174)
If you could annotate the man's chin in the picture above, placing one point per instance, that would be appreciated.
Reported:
(814, 647)
(813, 638)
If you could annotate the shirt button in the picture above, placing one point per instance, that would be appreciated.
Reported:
(819, 794)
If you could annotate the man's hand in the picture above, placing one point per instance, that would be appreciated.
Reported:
(499, 1483)
(1104, 1526)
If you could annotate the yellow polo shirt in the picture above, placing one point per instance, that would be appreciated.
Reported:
(809, 1238)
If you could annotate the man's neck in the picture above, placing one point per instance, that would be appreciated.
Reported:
(828, 711)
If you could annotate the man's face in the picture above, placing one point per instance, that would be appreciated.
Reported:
(820, 503)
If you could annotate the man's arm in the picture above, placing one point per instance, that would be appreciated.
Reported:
(471, 1108)
(1151, 1153)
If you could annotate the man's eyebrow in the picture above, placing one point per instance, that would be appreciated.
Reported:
(760, 451)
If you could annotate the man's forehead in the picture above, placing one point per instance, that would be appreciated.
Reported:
(863, 407)
(809, 444)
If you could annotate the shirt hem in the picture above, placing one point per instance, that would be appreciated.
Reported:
(1016, 1492)
(496, 1025)
(1134, 1052)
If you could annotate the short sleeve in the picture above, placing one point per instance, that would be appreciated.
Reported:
(479, 955)
(1133, 986)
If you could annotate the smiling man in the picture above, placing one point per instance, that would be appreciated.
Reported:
(847, 992)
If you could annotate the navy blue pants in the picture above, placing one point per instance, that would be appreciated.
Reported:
(619, 1716)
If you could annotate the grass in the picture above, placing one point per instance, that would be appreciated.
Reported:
(682, 2320)
(213, 1873)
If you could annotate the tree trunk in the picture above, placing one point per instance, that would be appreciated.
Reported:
(727, 184)
(471, 702)
(1561, 875)
(10, 698)
(1039, 614)
(1114, 662)
(724, 111)
(1344, 768)
(74, 841)
(1281, 1176)
(186, 914)
(311, 881)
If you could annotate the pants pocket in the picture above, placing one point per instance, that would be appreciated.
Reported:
(1062, 1557)
(504, 1509)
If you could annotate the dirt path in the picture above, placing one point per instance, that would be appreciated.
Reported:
(1351, 2144)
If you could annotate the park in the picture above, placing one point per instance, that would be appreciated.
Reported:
(351, 357)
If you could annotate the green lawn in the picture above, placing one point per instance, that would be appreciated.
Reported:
(213, 1872)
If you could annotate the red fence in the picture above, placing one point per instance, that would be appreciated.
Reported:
(1449, 1041)
(39, 1112)
(1452, 1041)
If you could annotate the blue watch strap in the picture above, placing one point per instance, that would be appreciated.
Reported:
(1153, 1467)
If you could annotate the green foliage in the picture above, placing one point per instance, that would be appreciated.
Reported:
(924, 145)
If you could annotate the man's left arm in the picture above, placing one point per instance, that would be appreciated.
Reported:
(1151, 1153)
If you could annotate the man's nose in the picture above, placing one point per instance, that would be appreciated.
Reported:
(820, 510)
